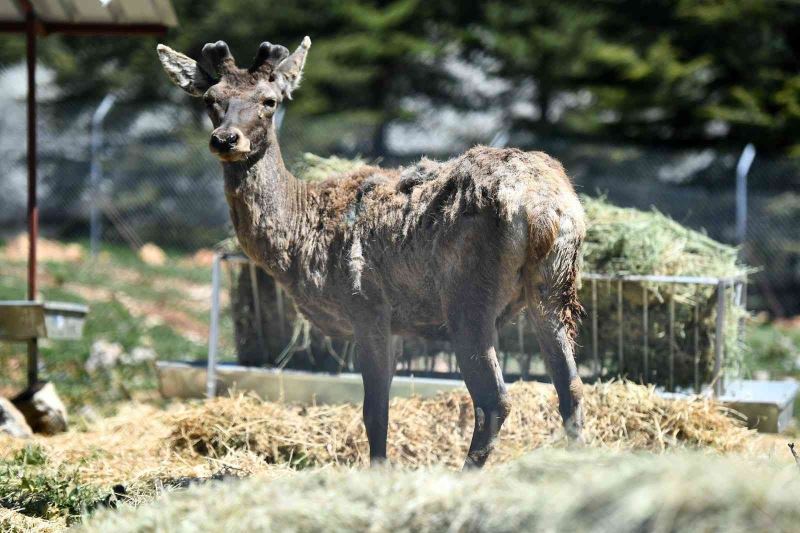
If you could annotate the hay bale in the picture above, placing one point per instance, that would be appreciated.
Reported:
(424, 432)
(629, 241)
(312, 167)
(551, 490)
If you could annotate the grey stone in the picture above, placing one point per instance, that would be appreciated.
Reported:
(12, 421)
(42, 408)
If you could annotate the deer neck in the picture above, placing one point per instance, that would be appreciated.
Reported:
(265, 202)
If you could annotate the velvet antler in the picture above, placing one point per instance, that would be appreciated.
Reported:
(219, 56)
(268, 57)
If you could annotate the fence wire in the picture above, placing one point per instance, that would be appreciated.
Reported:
(158, 182)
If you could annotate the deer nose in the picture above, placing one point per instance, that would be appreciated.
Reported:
(224, 141)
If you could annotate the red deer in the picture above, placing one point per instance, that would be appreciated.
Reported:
(440, 250)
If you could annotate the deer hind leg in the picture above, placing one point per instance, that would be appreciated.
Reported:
(474, 340)
(551, 293)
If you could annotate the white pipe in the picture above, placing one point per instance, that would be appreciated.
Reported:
(213, 336)
(95, 172)
(742, 168)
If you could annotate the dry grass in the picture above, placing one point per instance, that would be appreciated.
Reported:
(14, 522)
(426, 432)
(242, 434)
(149, 450)
(547, 490)
(132, 449)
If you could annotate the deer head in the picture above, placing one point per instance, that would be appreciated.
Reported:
(240, 102)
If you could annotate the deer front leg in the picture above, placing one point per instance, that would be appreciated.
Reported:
(376, 360)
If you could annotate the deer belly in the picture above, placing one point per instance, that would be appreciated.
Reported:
(329, 319)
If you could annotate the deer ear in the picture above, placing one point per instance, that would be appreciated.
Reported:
(290, 70)
(184, 71)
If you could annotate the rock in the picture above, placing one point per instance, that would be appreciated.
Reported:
(140, 354)
(152, 255)
(12, 421)
(103, 354)
(43, 409)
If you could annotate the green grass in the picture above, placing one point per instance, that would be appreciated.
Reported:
(104, 285)
(30, 485)
(775, 348)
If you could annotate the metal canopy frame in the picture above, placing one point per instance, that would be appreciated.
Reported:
(30, 22)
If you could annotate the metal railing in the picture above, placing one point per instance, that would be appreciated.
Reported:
(737, 283)
(722, 285)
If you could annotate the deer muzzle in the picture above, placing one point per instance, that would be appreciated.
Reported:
(229, 144)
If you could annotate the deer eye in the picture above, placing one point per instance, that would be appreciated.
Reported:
(270, 102)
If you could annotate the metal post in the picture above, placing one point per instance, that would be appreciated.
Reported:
(719, 339)
(620, 333)
(213, 336)
(740, 301)
(645, 333)
(672, 340)
(33, 209)
(742, 168)
(96, 171)
(697, 343)
(595, 354)
(280, 114)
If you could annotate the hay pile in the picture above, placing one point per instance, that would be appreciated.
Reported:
(432, 431)
(312, 167)
(90, 462)
(629, 241)
(14, 522)
(197, 439)
(149, 451)
(550, 490)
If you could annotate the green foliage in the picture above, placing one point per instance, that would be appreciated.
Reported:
(775, 348)
(658, 71)
(30, 485)
(32, 454)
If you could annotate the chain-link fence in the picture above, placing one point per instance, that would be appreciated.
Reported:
(154, 180)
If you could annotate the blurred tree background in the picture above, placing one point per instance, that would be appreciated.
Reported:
(684, 72)
(648, 103)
